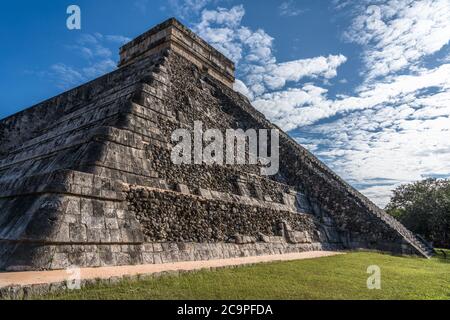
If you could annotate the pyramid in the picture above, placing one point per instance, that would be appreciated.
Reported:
(86, 177)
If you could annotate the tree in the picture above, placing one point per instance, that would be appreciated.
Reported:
(424, 208)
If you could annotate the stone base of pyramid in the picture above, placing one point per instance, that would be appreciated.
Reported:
(80, 219)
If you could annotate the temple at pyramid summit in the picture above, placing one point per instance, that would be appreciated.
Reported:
(86, 177)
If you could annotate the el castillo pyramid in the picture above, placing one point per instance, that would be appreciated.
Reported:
(86, 177)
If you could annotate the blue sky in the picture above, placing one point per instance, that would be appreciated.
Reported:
(365, 85)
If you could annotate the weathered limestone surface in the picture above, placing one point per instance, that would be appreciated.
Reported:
(86, 178)
(174, 36)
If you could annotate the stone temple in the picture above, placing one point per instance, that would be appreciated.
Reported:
(86, 177)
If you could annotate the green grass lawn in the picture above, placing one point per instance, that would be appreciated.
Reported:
(337, 277)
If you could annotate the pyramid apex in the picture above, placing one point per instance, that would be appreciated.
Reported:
(172, 34)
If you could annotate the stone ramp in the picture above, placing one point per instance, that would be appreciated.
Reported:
(19, 285)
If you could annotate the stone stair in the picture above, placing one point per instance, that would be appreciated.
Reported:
(417, 242)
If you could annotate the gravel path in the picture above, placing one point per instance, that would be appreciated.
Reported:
(47, 277)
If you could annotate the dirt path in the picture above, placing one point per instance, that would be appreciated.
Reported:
(48, 277)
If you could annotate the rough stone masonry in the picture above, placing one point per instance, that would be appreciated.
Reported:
(86, 177)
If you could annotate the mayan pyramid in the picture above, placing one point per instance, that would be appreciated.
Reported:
(86, 177)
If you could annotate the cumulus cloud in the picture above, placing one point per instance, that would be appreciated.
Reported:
(252, 50)
(221, 28)
(276, 75)
(295, 107)
(396, 34)
(397, 90)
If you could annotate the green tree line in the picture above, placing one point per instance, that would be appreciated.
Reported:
(424, 208)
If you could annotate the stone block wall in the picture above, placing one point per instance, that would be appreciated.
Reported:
(170, 216)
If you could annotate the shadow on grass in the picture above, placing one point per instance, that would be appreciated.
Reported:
(443, 255)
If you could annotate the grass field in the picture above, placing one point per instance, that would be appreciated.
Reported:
(337, 277)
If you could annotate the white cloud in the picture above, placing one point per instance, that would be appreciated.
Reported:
(227, 17)
(341, 4)
(289, 9)
(397, 90)
(98, 60)
(396, 34)
(253, 52)
(99, 68)
(65, 75)
(118, 39)
(295, 107)
(221, 28)
(186, 8)
(241, 87)
(276, 75)
(383, 147)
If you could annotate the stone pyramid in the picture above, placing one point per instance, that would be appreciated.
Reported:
(86, 177)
